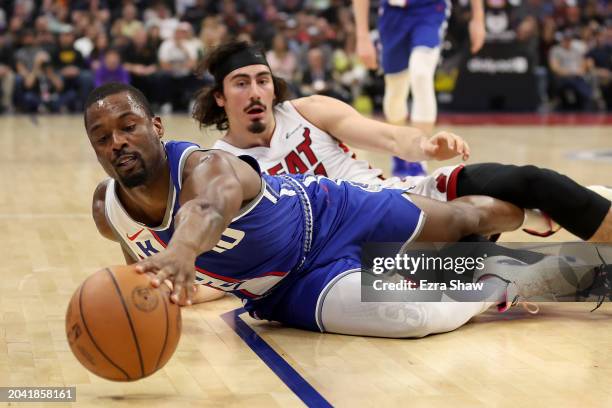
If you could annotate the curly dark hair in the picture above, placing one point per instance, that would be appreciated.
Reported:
(205, 110)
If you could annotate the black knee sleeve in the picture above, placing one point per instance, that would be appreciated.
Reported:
(574, 207)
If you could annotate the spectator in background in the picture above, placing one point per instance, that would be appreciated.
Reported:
(290, 6)
(568, 67)
(7, 75)
(547, 39)
(26, 69)
(58, 17)
(128, 24)
(71, 65)
(101, 45)
(154, 35)
(24, 9)
(178, 57)
(317, 79)
(141, 63)
(599, 63)
(85, 44)
(41, 89)
(41, 24)
(15, 28)
(47, 41)
(111, 69)
(181, 6)
(212, 33)
(81, 22)
(98, 10)
(196, 13)
(283, 62)
(160, 16)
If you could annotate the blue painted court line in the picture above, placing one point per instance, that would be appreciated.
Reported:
(281, 368)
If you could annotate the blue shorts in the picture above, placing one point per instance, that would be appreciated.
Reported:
(403, 29)
(345, 216)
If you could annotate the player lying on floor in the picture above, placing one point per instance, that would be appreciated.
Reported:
(288, 246)
(307, 135)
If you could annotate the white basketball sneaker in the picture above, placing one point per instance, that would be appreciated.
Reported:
(551, 277)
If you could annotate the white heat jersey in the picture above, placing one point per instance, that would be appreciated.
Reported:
(298, 146)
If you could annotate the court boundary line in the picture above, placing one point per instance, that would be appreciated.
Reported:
(287, 374)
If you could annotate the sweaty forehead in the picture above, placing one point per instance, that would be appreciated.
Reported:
(114, 105)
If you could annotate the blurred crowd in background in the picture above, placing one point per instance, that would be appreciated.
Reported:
(53, 52)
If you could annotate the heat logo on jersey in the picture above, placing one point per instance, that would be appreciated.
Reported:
(295, 163)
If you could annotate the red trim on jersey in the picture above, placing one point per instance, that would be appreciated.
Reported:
(344, 147)
(247, 293)
(158, 239)
(214, 275)
(452, 183)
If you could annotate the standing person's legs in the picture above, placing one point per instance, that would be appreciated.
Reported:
(422, 68)
(396, 29)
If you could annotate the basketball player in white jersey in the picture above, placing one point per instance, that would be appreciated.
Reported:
(308, 135)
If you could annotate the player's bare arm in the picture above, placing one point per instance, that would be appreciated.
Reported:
(215, 184)
(477, 26)
(344, 123)
(365, 46)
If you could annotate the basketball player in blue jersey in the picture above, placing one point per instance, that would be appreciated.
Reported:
(411, 32)
(288, 246)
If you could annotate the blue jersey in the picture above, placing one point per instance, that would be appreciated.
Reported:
(406, 24)
(296, 225)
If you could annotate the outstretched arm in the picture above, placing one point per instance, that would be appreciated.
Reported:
(215, 184)
(346, 124)
(202, 293)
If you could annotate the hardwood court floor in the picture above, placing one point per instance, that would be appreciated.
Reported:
(561, 357)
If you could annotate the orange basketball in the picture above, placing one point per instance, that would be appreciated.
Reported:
(120, 327)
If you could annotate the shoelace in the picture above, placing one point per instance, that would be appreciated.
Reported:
(530, 307)
(602, 283)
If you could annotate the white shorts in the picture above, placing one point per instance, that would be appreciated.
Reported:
(440, 185)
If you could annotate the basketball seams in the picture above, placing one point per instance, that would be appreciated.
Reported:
(163, 350)
(127, 313)
(89, 333)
